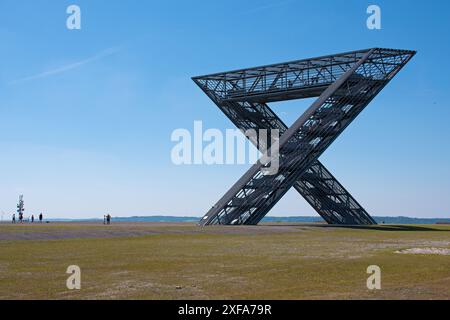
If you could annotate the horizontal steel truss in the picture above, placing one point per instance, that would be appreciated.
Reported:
(345, 84)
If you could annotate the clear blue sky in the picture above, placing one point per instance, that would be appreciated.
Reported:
(86, 116)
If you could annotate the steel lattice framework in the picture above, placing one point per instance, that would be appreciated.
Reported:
(344, 85)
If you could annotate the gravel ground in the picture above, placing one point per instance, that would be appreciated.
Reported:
(85, 230)
(438, 251)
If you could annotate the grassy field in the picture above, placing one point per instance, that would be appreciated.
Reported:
(182, 261)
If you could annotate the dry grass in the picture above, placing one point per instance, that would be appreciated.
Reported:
(164, 261)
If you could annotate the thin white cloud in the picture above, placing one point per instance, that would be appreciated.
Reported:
(67, 67)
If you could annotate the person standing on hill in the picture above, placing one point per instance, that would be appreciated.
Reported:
(41, 217)
(108, 219)
(14, 218)
(32, 218)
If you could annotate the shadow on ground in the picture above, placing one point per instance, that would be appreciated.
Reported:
(390, 228)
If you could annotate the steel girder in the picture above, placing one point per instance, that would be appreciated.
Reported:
(345, 84)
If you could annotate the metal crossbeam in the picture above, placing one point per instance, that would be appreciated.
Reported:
(325, 194)
(345, 84)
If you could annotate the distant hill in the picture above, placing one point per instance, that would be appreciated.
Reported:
(157, 219)
(386, 220)
(407, 220)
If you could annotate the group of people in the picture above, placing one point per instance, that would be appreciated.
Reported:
(41, 218)
(107, 219)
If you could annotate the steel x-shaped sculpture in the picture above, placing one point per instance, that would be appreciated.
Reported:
(344, 84)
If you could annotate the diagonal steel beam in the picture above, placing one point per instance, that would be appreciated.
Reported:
(249, 200)
(319, 187)
(325, 194)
